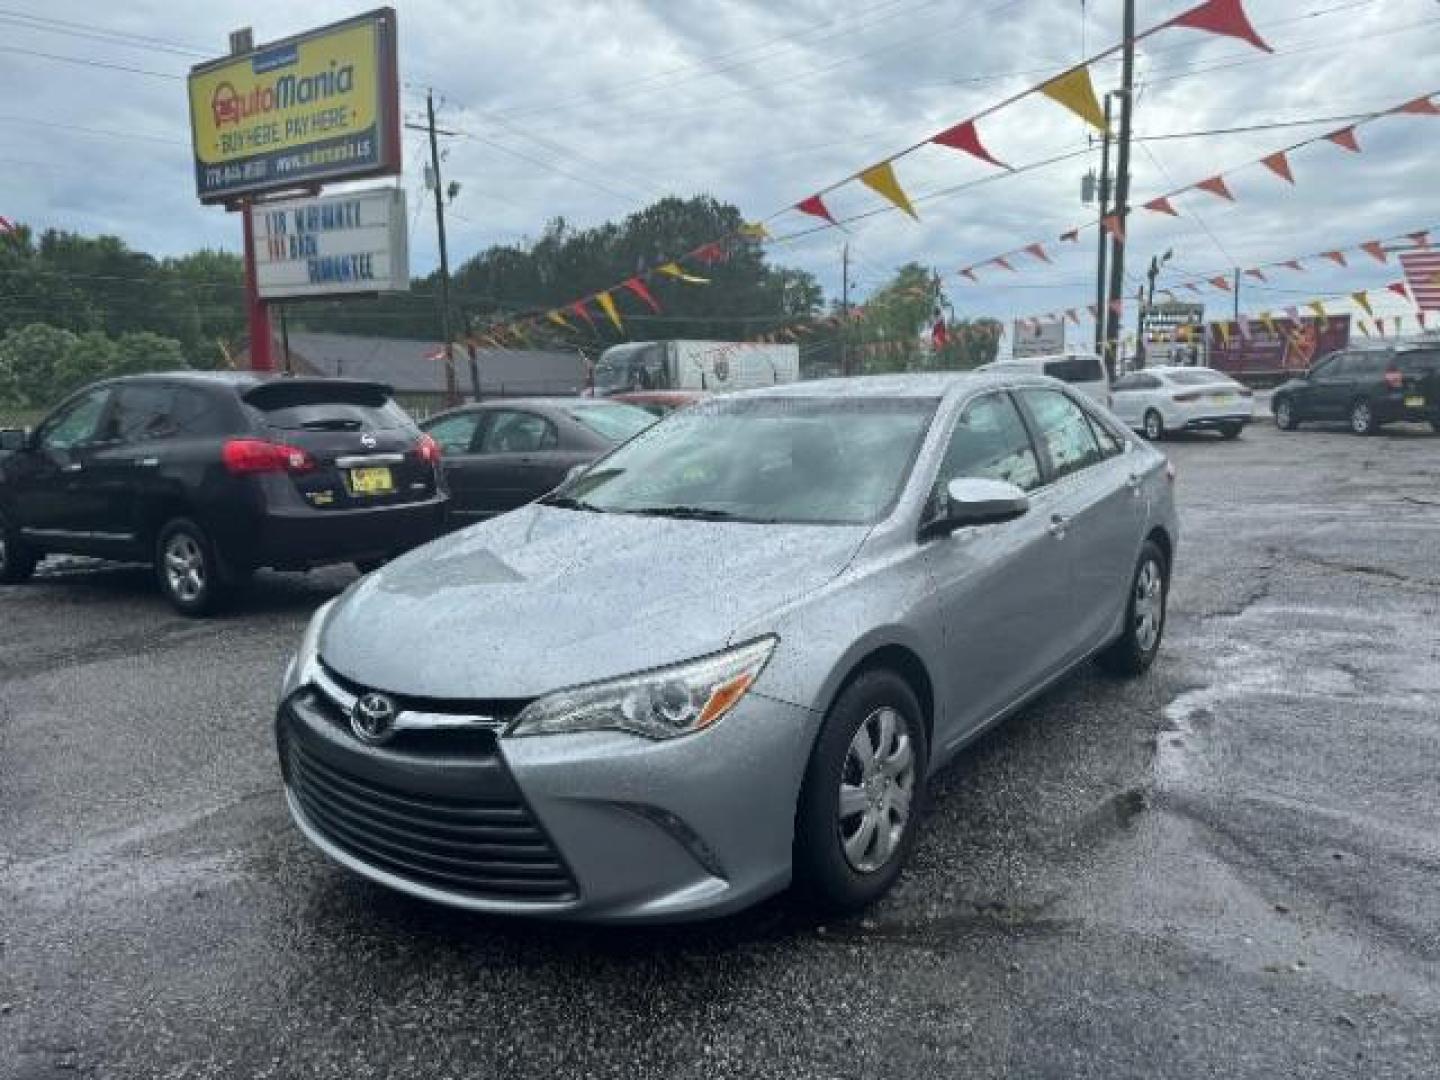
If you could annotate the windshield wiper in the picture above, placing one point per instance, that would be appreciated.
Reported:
(569, 502)
(693, 513)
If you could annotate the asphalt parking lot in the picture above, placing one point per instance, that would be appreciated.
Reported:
(1228, 868)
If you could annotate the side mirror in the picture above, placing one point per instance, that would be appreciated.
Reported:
(12, 439)
(574, 473)
(970, 501)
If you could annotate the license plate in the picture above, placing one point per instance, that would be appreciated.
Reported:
(1220, 399)
(1414, 402)
(373, 481)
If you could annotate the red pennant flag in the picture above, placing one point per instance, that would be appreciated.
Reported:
(999, 261)
(710, 254)
(1071, 236)
(1111, 224)
(1421, 106)
(964, 137)
(636, 286)
(1421, 238)
(1345, 138)
(1279, 164)
(1224, 17)
(1038, 251)
(1398, 288)
(578, 307)
(1293, 264)
(1162, 206)
(1375, 249)
(1257, 274)
(1216, 186)
(1221, 283)
(939, 335)
(1337, 257)
(815, 206)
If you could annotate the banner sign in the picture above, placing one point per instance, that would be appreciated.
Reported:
(334, 245)
(1422, 271)
(1273, 346)
(1038, 337)
(321, 106)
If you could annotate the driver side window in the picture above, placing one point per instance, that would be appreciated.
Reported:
(990, 442)
(78, 424)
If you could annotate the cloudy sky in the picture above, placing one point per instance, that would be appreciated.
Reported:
(591, 109)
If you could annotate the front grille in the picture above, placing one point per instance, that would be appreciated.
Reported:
(491, 849)
(501, 710)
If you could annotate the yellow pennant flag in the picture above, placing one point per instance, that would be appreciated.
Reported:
(558, 319)
(755, 230)
(675, 270)
(1076, 92)
(1317, 307)
(1363, 301)
(607, 305)
(881, 178)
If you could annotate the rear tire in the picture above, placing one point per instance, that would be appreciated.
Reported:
(1285, 417)
(1231, 431)
(17, 558)
(1362, 417)
(1134, 650)
(1154, 426)
(859, 807)
(187, 569)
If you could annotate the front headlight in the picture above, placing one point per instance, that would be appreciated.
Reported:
(659, 704)
(306, 657)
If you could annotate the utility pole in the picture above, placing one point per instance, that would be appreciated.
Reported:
(1237, 294)
(452, 397)
(1102, 311)
(845, 309)
(1122, 187)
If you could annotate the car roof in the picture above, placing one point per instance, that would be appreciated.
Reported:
(935, 385)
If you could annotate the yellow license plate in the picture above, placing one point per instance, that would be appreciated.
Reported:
(375, 481)
(1219, 399)
(1414, 403)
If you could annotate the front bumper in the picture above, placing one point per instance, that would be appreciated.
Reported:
(596, 826)
(307, 537)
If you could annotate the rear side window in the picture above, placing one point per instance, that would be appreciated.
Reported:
(142, 413)
(455, 434)
(1421, 361)
(1076, 369)
(318, 406)
(614, 422)
(514, 432)
(1064, 430)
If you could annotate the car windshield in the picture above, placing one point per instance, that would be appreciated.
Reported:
(1198, 377)
(776, 459)
(612, 421)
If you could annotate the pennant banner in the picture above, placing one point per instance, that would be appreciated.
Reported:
(963, 136)
(881, 178)
(1076, 92)
(636, 286)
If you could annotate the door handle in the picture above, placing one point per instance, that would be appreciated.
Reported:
(71, 467)
(147, 463)
(1057, 526)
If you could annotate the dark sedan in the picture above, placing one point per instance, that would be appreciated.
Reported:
(500, 455)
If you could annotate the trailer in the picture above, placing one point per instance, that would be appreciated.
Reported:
(714, 366)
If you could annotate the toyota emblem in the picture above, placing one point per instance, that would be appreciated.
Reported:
(368, 441)
(373, 718)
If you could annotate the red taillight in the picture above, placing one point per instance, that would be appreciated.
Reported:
(246, 457)
(428, 449)
(1393, 379)
(1187, 397)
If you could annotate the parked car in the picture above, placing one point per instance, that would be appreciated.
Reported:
(1366, 388)
(728, 655)
(661, 402)
(1160, 400)
(1083, 370)
(210, 476)
(502, 454)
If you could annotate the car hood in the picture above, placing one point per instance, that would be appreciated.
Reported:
(543, 598)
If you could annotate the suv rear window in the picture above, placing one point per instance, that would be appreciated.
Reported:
(1076, 369)
(1423, 360)
(321, 406)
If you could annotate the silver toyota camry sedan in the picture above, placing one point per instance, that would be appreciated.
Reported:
(728, 656)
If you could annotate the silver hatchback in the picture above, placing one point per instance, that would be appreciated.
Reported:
(727, 656)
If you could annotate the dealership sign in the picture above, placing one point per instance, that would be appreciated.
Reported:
(321, 106)
(332, 246)
(1038, 337)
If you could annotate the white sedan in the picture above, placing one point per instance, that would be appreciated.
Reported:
(1165, 399)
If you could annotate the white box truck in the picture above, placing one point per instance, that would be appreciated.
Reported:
(716, 366)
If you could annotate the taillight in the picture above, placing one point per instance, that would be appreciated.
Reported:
(1393, 379)
(428, 449)
(1193, 396)
(247, 457)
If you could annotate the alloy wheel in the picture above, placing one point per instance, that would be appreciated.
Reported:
(1154, 426)
(876, 788)
(1283, 417)
(1360, 418)
(185, 567)
(1149, 605)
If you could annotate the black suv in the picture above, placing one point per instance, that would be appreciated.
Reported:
(1366, 387)
(211, 475)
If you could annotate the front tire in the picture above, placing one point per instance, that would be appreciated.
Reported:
(187, 569)
(17, 558)
(1231, 431)
(1362, 417)
(1285, 417)
(1134, 650)
(856, 822)
(1154, 426)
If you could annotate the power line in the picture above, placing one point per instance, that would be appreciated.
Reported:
(89, 30)
(84, 61)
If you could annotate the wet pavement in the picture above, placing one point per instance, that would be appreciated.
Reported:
(1229, 868)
